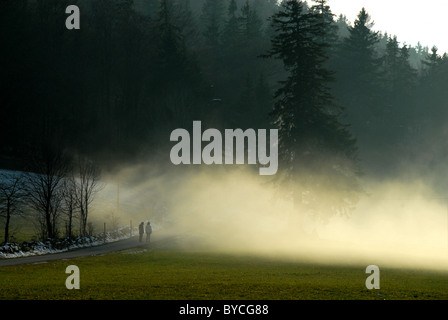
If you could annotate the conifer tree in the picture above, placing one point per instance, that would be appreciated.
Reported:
(397, 103)
(212, 17)
(323, 10)
(231, 31)
(251, 25)
(177, 72)
(408, 73)
(316, 151)
(170, 42)
(360, 66)
(398, 75)
(391, 68)
(358, 87)
(187, 23)
(432, 60)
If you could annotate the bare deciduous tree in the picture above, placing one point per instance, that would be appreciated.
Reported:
(45, 179)
(87, 185)
(69, 203)
(12, 193)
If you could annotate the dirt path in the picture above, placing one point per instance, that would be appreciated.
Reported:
(84, 252)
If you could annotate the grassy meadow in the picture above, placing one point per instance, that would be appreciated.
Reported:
(174, 274)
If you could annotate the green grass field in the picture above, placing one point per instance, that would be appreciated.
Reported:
(173, 274)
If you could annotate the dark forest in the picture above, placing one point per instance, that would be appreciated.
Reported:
(136, 70)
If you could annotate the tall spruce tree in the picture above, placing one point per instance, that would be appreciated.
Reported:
(323, 10)
(358, 69)
(358, 88)
(398, 75)
(317, 154)
(391, 70)
(397, 100)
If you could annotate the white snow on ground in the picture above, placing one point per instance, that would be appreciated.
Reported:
(13, 250)
(33, 248)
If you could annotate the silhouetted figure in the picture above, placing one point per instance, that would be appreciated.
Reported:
(148, 232)
(141, 231)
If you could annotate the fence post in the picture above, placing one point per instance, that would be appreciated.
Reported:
(104, 232)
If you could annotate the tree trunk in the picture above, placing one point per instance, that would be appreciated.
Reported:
(8, 217)
(70, 219)
(48, 222)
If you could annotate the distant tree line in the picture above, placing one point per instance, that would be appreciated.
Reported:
(346, 99)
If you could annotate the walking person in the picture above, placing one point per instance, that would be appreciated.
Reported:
(141, 231)
(148, 231)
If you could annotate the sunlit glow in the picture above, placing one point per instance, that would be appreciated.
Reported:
(232, 210)
(410, 21)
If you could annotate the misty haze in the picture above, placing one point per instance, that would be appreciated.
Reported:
(92, 118)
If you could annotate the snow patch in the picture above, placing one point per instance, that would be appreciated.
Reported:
(33, 248)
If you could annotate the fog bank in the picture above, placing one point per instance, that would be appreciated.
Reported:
(395, 224)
